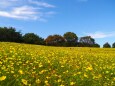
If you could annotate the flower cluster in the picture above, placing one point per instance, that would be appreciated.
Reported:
(34, 65)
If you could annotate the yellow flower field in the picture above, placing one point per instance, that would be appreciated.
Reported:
(34, 65)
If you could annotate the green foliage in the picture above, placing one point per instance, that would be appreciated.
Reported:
(113, 45)
(87, 40)
(106, 45)
(71, 39)
(32, 38)
(96, 45)
(10, 35)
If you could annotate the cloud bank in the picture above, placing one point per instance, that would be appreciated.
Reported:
(25, 9)
(101, 34)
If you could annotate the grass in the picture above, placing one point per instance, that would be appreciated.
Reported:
(34, 65)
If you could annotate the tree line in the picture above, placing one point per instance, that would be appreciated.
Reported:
(69, 39)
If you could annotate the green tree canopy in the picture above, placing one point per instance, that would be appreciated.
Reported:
(113, 45)
(70, 37)
(32, 38)
(87, 40)
(106, 45)
(9, 34)
(96, 45)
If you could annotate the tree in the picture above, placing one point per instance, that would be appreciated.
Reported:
(32, 38)
(96, 45)
(106, 45)
(113, 45)
(10, 35)
(71, 38)
(55, 40)
(87, 40)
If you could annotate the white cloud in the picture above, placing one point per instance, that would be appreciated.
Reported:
(3, 4)
(101, 34)
(40, 3)
(7, 3)
(23, 9)
(24, 12)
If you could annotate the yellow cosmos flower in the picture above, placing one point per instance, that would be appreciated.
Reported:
(90, 68)
(0, 62)
(72, 83)
(2, 78)
(114, 79)
(21, 72)
(107, 72)
(59, 80)
(25, 82)
(85, 75)
(12, 71)
(46, 82)
(38, 81)
(78, 73)
(62, 66)
(40, 65)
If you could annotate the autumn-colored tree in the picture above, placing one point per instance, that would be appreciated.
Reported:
(55, 40)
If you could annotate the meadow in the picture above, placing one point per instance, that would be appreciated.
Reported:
(35, 65)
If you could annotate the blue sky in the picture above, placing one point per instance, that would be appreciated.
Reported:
(47, 17)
